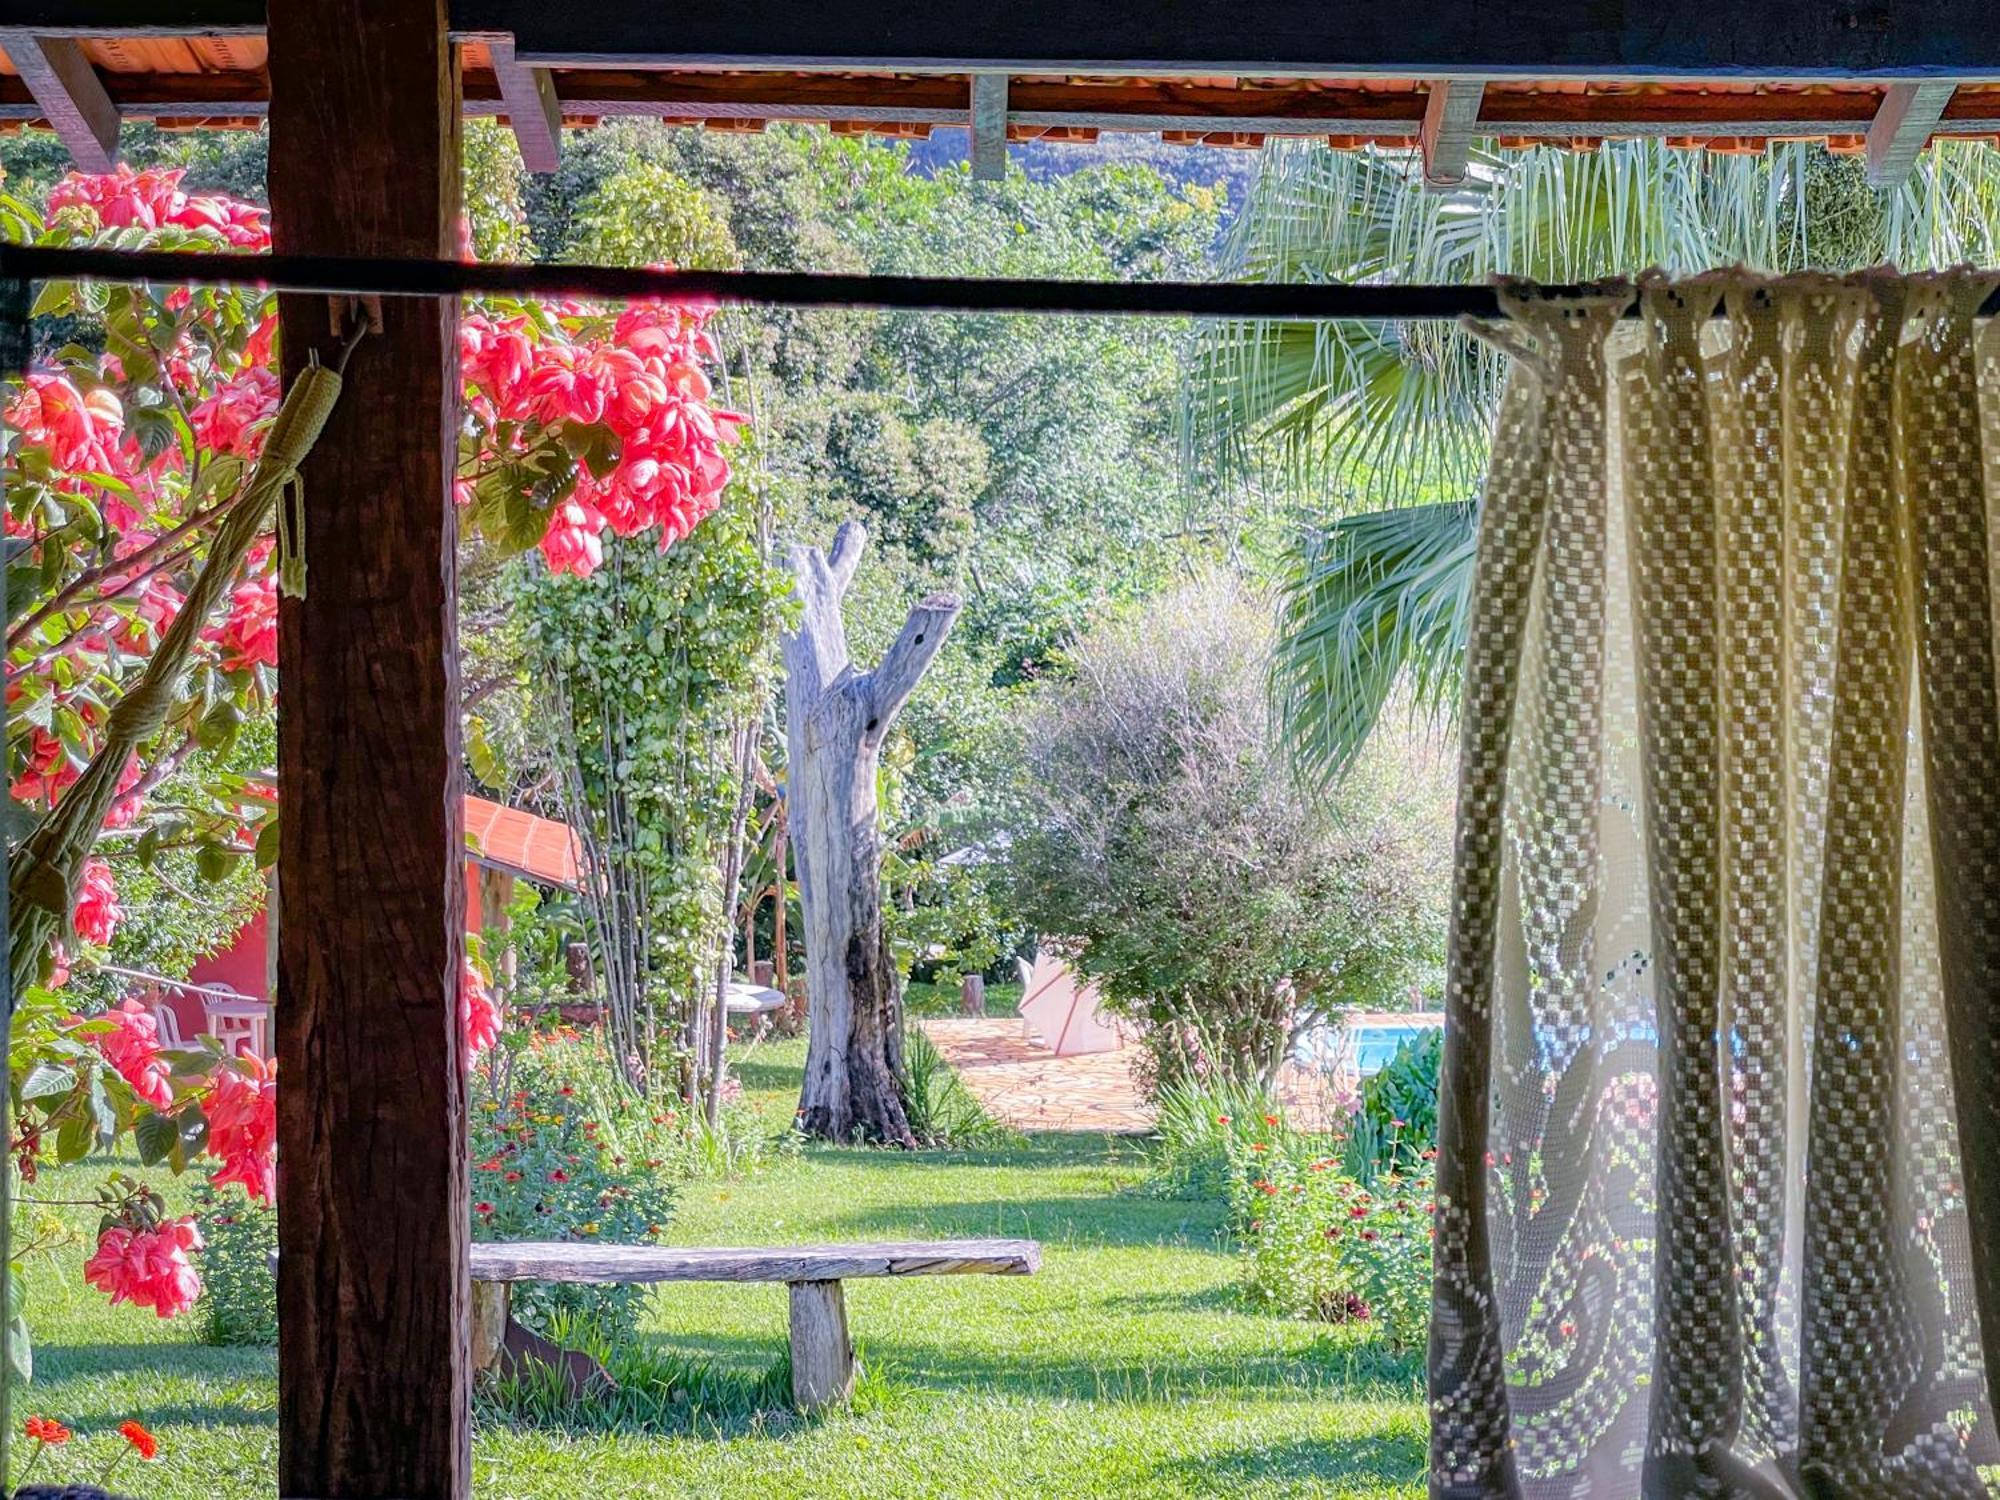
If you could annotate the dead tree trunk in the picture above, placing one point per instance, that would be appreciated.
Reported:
(836, 717)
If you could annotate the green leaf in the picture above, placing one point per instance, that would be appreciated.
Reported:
(46, 1078)
(74, 1139)
(155, 1135)
(267, 843)
(213, 862)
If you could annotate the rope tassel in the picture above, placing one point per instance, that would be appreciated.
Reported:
(49, 863)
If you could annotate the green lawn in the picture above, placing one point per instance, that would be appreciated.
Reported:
(1125, 1368)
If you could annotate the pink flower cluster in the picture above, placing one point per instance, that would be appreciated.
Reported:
(125, 199)
(97, 912)
(133, 1050)
(242, 1111)
(478, 1014)
(645, 385)
(148, 1267)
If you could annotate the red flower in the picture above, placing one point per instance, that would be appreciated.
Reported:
(482, 1208)
(147, 1267)
(97, 914)
(143, 1442)
(1222, 1119)
(242, 1110)
(1270, 1119)
(558, 1175)
(47, 1430)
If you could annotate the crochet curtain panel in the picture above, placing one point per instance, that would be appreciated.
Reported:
(1718, 1199)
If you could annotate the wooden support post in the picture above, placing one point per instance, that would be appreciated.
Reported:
(822, 1355)
(374, 1339)
(1902, 128)
(989, 127)
(67, 89)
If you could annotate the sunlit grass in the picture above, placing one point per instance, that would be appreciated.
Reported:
(1126, 1367)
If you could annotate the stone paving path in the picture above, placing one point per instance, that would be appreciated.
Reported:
(1021, 1083)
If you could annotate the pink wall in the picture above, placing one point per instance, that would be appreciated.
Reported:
(243, 966)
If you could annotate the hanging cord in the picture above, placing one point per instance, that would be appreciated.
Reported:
(49, 862)
(290, 501)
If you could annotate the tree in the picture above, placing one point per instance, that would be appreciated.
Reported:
(1350, 418)
(836, 718)
(1172, 854)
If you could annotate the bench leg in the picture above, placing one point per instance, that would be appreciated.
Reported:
(822, 1356)
(489, 1323)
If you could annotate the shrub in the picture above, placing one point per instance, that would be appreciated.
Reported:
(239, 1302)
(1203, 1129)
(1171, 847)
(942, 1111)
(546, 1165)
(1318, 1244)
(1397, 1121)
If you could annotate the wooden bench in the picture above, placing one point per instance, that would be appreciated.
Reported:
(822, 1354)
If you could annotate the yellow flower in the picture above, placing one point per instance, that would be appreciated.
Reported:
(591, 1227)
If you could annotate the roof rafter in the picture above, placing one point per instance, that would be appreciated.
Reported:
(533, 111)
(67, 89)
(1451, 113)
(989, 127)
(1903, 126)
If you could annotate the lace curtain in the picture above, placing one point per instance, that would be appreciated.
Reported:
(1719, 1158)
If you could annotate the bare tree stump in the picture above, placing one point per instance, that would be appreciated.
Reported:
(822, 1355)
(972, 994)
(836, 717)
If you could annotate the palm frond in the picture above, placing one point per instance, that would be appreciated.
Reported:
(1369, 602)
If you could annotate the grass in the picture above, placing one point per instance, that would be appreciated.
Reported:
(1127, 1367)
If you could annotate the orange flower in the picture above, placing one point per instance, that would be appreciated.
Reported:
(47, 1430)
(143, 1442)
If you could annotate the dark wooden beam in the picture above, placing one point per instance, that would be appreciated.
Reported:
(68, 91)
(1597, 38)
(373, 1355)
(1466, 38)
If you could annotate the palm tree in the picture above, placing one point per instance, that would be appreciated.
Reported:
(1376, 432)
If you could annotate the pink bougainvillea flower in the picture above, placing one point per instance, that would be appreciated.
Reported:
(148, 1267)
(242, 1111)
(249, 637)
(234, 419)
(571, 544)
(478, 1015)
(133, 1050)
(97, 912)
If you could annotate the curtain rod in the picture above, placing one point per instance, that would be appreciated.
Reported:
(392, 277)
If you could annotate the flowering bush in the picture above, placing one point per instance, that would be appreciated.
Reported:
(239, 1302)
(124, 451)
(547, 1164)
(1317, 1244)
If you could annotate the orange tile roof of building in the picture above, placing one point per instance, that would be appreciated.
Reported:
(520, 843)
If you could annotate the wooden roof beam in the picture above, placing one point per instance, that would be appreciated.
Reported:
(1902, 128)
(989, 127)
(69, 92)
(1451, 115)
(529, 97)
